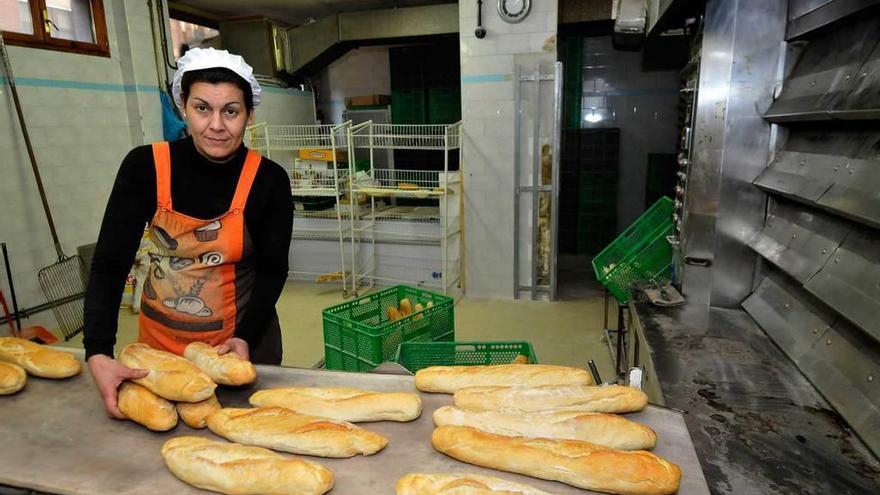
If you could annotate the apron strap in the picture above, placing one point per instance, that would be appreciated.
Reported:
(162, 162)
(245, 181)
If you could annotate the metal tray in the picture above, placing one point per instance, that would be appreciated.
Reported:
(58, 439)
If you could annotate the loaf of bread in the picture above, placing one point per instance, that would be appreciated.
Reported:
(573, 398)
(461, 484)
(581, 464)
(195, 414)
(281, 429)
(226, 369)
(521, 359)
(170, 376)
(242, 470)
(38, 360)
(140, 405)
(607, 430)
(12, 378)
(343, 404)
(448, 379)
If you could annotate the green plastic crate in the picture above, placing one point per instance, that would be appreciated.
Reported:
(358, 335)
(417, 355)
(640, 253)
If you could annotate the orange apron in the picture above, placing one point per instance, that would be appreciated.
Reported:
(193, 291)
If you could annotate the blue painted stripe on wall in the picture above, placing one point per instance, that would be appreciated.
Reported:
(486, 78)
(92, 86)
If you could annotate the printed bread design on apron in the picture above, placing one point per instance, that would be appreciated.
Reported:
(193, 290)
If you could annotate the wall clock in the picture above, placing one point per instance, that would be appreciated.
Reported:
(514, 11)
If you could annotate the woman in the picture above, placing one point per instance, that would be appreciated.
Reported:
(219, 217)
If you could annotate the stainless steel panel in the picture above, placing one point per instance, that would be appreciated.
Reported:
(846, 369)
(799, 241)
(798, 8)
(825, 73)
(704, 172)
(824, 15)
(863, 102)
(756, 52)
(803, 175)
(783, 309)
(850, 281)
(856, 191)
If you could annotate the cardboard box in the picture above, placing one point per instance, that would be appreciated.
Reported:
(367, 101)
(324, 155)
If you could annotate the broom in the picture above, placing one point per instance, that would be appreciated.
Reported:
(63, 282)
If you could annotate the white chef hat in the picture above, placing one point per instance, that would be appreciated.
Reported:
(209, 58)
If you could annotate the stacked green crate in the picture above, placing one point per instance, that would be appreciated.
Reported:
(599, 158)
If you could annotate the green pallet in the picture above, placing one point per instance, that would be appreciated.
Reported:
(417, 355)
(641, 252)
(358, 335)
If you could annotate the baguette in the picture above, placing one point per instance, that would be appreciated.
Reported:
(195, 414)
(573, 398)
(449, 379)
(461, 484)
(38, 360)
(12, 378)
(241, 470)
(140, 405)
(281, 429)
(343, 404)
(226, 369)
(607, 430)
(580, 464)
(170, 376)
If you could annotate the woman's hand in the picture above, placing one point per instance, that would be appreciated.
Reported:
(109, 374)
(236, 345)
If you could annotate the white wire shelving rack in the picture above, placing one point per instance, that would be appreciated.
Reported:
(369, 224)
(282, 143)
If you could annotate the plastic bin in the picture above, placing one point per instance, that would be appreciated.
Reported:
(417, 355)
(358, 335)
(641, 252)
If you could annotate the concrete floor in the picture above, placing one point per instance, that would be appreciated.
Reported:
(567, 332)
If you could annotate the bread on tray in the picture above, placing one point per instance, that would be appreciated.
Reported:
(580, 464)
(170, 376)
(608, 430)
(342, 403)
(461, 484)
(142, 406)
(195, 414)
(614, 399)
(281, 429)
(449, 379)
(225, 369)
(242, 470)
(38, 360)
(12, 378)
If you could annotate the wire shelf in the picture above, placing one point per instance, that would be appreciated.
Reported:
(296, 137)
(318, 182)
(403, 183)
(407, 137)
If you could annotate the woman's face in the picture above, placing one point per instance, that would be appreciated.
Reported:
(216, 117)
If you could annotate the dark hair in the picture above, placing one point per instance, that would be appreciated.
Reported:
(216, 75)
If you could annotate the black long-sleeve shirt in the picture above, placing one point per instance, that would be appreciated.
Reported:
(268, 215)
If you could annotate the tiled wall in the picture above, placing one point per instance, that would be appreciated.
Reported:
(642, 104)
(84, 113)
(488, 88)
(363, 71)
